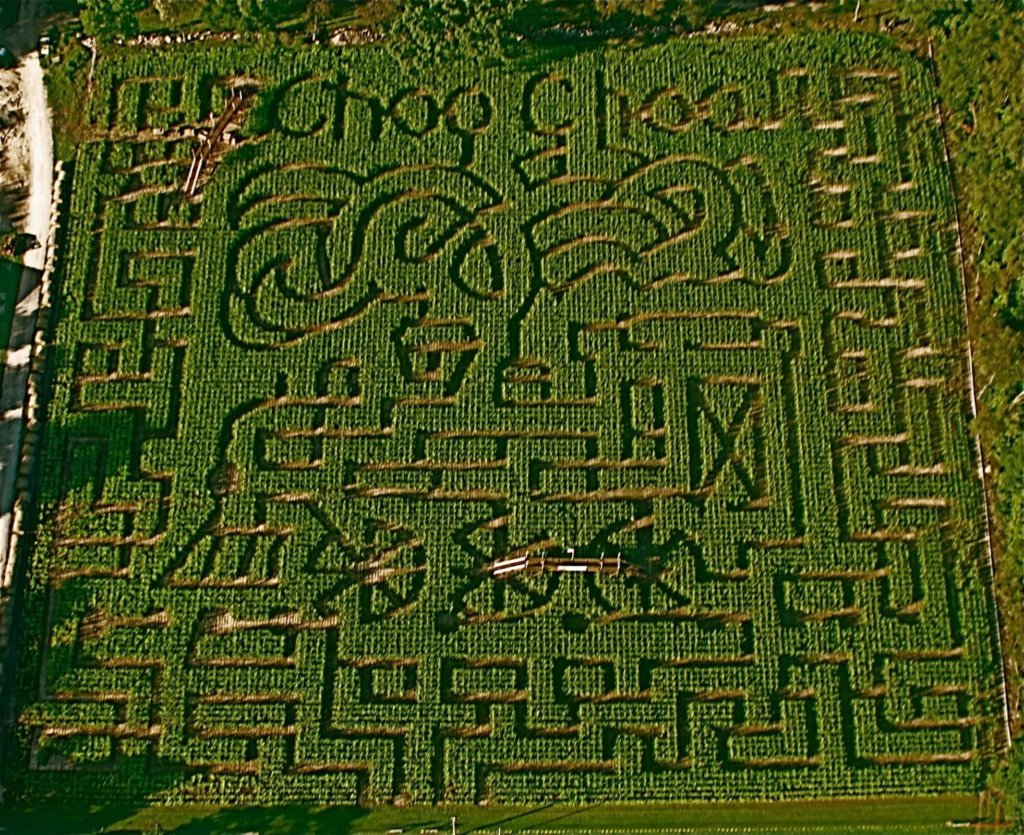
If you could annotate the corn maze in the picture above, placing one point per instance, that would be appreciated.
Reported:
(694, 306)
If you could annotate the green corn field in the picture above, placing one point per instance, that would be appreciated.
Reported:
(678, 328)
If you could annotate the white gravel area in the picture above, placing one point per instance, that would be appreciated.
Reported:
(38, 137)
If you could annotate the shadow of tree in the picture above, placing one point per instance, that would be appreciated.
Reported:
(279, 820)
(186, 820)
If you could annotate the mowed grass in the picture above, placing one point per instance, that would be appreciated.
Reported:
(922, 816)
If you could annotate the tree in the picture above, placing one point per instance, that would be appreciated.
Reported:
(109, 19)
(269, 13)
(428, 31)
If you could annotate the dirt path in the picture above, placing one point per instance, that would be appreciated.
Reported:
(37, 141)
(35, 137)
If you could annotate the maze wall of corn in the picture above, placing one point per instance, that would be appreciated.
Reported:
(580, 429)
